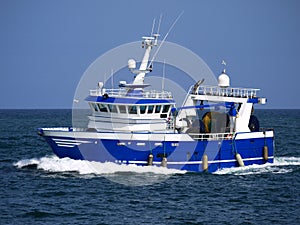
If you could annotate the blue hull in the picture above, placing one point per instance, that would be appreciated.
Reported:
(183, 155)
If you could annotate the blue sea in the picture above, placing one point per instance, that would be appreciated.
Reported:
(38, 188)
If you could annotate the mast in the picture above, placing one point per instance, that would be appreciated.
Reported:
(148, 43)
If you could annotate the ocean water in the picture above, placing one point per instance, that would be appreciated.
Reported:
(38, 188)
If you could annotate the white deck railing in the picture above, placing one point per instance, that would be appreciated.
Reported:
(228, 92)
(123, 93)
(210, 136)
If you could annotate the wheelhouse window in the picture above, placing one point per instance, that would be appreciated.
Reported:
(150, 109)
(94, 107)
(157, 108)
(122, 109)
(132, 109)
(143, 109)
(112, 108)
(102, 107)
(165, 108)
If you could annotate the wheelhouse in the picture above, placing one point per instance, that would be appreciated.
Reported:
(125, 110)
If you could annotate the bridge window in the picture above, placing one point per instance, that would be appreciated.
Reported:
(132, 109)
(143, 109)
(94, 107)
(112, 108)
(122, 109)
(102, 107)
(157, 108)
(165, 108)
(150, 109)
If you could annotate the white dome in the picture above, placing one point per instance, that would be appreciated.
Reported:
(223, 80)
(131, 64)
(100, 85)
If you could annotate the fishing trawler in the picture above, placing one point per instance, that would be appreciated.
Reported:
(213, 129)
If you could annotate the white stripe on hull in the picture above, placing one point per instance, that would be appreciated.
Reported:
(69, 143)
(65, 145)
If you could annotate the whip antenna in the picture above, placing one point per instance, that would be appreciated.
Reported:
(153, 24)
(159, 22)
(163, 79)
(163, 40)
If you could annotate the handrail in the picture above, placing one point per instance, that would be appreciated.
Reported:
(228, 92)
(124, 93)
(212, 136)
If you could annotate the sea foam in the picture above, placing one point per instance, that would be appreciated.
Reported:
(55, 164)
(280, 165)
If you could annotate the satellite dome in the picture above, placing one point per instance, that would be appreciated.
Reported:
(131, 64)
(223, 80)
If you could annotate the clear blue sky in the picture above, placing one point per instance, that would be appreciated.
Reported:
(46, 45)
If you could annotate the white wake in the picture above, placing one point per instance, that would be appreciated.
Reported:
(83, 167)
(280, 165)
(55, 164)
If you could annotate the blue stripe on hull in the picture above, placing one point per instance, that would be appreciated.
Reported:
(186, 156)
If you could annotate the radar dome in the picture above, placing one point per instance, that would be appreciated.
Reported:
(131, 64)
(223, 80)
